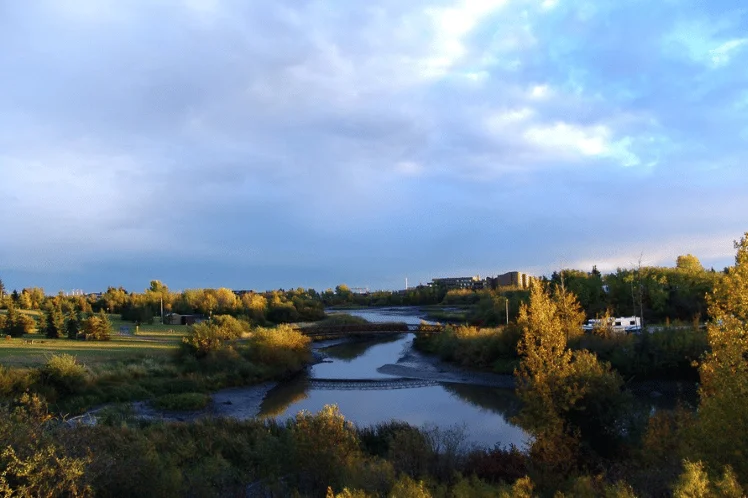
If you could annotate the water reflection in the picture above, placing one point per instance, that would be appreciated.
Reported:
(372, 354)
(483, 411)
(502, 401)
(442, 406)
(348, 351)
(283, 396)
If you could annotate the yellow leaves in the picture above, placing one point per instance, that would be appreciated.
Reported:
(694, 482)
(44, 473)
(722, 424)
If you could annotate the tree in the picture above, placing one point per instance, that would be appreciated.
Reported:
(16, 324)
(158, 287)
(24, 300)
(210, 336)
(54, 326)
(721, 435)
(689, 262)
(35, 297)
(569, 398)
(97, 327)
(325, 446)
(255, 305)
(343, 293)
(226, 301)
(569, 310)
(72, 325)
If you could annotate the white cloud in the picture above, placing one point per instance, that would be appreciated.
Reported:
(564, 137)
(539, 92)
(571, 140)
(451, 25)
(722, 55)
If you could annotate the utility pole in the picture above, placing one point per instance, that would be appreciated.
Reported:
(406, 283)
(162, 310)
(506, 302)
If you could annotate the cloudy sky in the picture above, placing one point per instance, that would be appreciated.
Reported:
(265, 144)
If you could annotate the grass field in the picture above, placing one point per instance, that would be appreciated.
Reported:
(148, 340)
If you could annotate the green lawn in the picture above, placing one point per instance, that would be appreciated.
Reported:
(149, 340)
(154, 330)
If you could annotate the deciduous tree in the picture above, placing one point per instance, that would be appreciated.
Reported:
(722, 426)
(569, 397)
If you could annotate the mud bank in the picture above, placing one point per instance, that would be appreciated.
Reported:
(416, 365)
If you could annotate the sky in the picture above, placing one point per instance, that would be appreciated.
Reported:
(308, 143)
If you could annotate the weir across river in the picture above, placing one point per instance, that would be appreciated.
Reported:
(334, 332)
(369, 384)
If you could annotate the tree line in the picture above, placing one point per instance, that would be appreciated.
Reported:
(658, 294)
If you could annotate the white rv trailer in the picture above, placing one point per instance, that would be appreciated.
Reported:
(618, 324)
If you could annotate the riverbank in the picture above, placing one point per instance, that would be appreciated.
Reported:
(417, 365)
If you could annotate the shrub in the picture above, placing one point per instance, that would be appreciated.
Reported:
(14, 381)
(211, 336)
(283, 348)
(230, 327)
(376, 439)
(473, 347)
(325, 446)
(64, 373)
(497, 465)
(283, 313)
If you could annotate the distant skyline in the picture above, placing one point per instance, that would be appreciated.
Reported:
(262, 145)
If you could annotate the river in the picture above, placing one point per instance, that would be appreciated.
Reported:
(382, 379)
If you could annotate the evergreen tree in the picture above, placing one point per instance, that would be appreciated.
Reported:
(97, 327)
(17, 324)
(55, 324)
(72, 325)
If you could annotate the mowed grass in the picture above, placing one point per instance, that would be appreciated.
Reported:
(149, 341)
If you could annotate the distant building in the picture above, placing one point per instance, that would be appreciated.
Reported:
(451, 283)
(513, 279)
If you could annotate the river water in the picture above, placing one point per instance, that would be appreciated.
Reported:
(383, 379)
